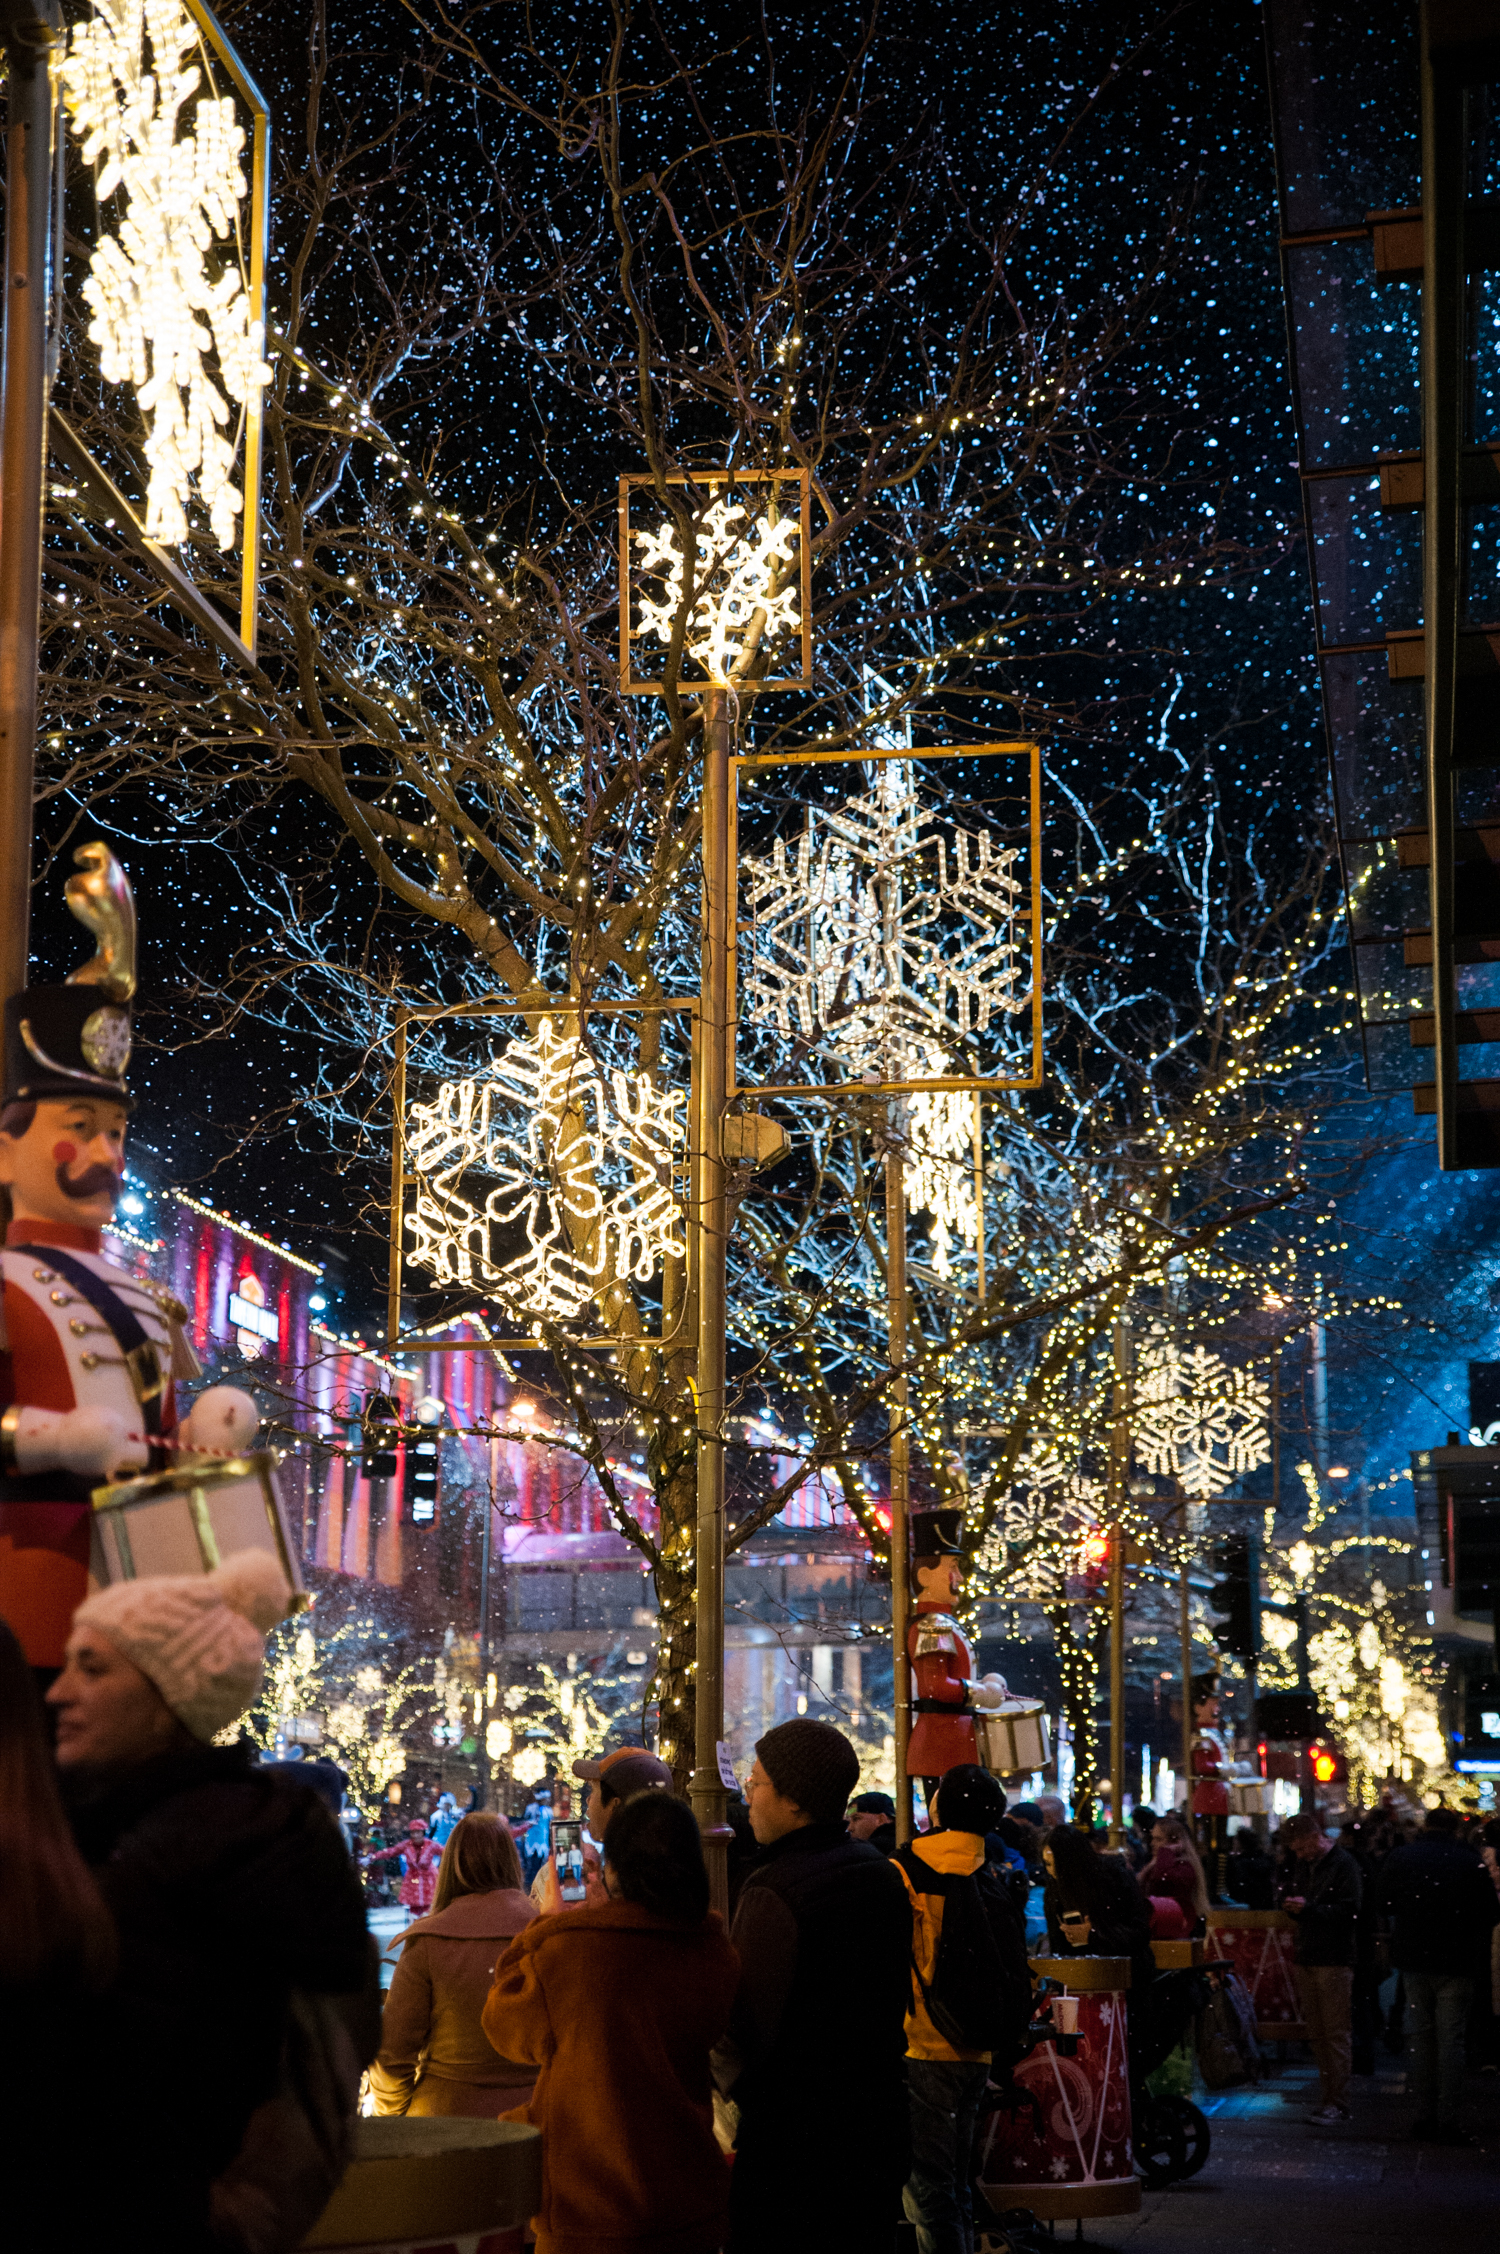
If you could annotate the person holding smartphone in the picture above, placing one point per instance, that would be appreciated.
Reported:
(571, 1874)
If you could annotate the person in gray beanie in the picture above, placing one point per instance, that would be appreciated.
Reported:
(246, 2003)
(814, 2060)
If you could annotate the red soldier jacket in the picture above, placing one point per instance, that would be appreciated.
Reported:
(56, 1353)
(943, 1665)
(1210, 1758)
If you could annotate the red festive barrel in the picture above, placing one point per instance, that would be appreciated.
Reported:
(1258, 1943)
(1065, 2149)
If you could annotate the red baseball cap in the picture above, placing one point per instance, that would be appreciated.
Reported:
(628, 1770)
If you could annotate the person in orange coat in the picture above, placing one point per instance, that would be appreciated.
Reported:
(618, 2007)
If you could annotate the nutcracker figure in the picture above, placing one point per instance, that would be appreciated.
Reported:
(946, 1695)
(88, 1353)
(1212, 1761)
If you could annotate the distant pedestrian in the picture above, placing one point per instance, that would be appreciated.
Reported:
(1096, 1908)
(246, 1986)
(1249, 1871)
(956, 2028)
(419, 1857)
(815, 2058)
(445, 1819)
(1175, 1874)
(1322, 1890)
(872, 1817)
(435, 2057)
(617, 2008)
(57, 1956)
(1443, 1911)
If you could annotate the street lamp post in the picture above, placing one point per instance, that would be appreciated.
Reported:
(707, 1787)
(900, 1471)
(32, 37)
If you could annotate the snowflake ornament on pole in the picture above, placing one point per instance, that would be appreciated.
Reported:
(1039, 1530)
(169, 306)
(583, 1171)
(737, 563)
(1197, 1420)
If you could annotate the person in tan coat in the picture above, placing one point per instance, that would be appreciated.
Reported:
(618, 2007)
(434, 2055)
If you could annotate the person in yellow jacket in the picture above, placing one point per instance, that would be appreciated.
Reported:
(946, 2069)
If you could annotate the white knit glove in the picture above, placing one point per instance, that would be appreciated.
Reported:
(91, 1443)
(989, 1694)
(223, 1421)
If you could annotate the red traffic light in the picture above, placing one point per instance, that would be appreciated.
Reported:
(1325, 1765)
(1093, 1550)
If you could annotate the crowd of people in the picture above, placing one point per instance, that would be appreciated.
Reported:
(185, 1959)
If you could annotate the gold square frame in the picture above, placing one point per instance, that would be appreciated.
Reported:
(106, 500)
(710, 481)
(996, 1084)
(421, 1342)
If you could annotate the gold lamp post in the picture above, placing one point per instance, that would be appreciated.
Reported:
(721, 577)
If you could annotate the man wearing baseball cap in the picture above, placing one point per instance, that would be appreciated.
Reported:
(613, 1779)
(618, 1777)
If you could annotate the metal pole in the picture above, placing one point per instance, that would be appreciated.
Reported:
(1119, 1463)
(1317, 1339)
(482, 1762)
(1185, 1660)
(981, 1284)
(707, 1787)
(895, 1239)
(398, 1184)
(31, 37)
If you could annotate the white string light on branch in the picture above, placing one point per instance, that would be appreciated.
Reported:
(171, 313)
(1040, 1534)
(1197, 1419)
(582, 1170)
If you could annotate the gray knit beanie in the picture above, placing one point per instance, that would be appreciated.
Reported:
(811, 1764)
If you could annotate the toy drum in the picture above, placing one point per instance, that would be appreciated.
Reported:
(1258, 1943)
(1064, 2148)
(444, 2186)
(189, 1519)
(1016, 1739)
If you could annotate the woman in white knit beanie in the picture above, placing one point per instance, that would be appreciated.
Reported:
(246, 2000)
(166, 1661)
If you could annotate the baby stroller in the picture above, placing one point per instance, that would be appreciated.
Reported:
(1170, 2135)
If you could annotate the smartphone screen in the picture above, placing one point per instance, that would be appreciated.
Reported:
(567, 1849)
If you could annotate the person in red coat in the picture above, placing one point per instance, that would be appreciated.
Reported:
(946, 1695)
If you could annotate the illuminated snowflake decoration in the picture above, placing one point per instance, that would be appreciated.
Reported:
(164, 297)
(1199, 1421)
(883, 933)
(736, 599)
(1040, 1525)
(581, 1170)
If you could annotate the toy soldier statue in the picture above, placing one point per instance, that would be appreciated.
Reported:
(88, 1354)
(947, 1696)
(1212, 1761)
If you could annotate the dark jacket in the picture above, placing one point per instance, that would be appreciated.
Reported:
(1442, 1905)
(1119, 1922)
(1331, 1891)
(246, 2004)
(815, 2058)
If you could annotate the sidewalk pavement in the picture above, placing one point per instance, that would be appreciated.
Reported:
(1273, 2185)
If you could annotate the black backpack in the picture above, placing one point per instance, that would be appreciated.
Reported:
(979, 1997)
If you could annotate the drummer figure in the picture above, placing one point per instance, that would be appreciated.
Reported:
(88, 1352)
(946, 1693)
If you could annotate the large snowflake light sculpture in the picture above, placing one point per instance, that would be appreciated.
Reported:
(738, 561)
(582, 1172)
(1197, 1420)
(164, 296)
(884, 932)
(1039, 1530)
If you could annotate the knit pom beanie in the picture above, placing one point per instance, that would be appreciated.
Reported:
(201, 1638)
(811, 1764)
